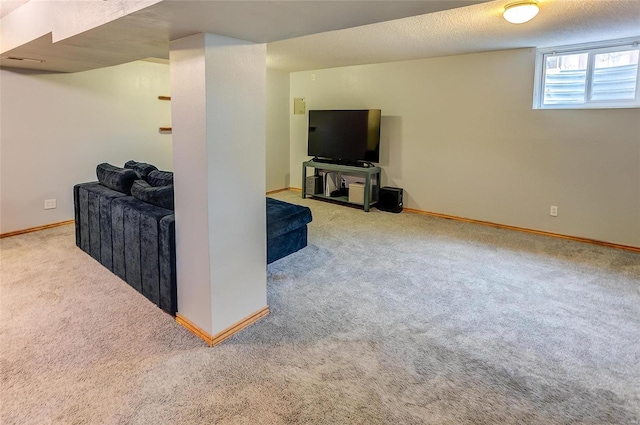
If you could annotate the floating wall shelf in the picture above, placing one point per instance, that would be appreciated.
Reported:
(165, 129)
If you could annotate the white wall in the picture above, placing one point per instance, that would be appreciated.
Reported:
(218, 89)
(55, 129)
(278, 108)
(460, 136)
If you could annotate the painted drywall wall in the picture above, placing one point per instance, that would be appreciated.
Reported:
(460, 136)
(55, 129)
(218, 87)
(278, 108)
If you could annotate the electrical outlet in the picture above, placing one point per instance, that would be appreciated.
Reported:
(553, 212)
(49, 204)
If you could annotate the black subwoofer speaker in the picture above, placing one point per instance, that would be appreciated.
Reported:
(390, 199)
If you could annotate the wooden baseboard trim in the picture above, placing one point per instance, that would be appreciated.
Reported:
(271, 192)
(526, 230)
(36, 229)
(238, 326)
(194, 329)
(228, 332)
(293, 189)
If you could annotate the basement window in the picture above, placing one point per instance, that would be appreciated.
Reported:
(594, 75)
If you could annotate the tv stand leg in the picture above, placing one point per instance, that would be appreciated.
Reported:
(367, 186)
(304, 181)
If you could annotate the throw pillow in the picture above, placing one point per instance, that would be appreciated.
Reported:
(116, 178)
(160, 178)
(159, 196)
(142, 168)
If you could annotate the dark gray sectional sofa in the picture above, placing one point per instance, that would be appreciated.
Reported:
(126, 222)
(132, 238)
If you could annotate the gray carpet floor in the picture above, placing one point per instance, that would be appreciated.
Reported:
(383, 319)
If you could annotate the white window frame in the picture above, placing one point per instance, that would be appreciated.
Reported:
(592, 49)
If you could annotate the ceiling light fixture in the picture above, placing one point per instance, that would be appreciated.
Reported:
(521, 11)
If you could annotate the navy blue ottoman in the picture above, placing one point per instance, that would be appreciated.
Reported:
(286, 228)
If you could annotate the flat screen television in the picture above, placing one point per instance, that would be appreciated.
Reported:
(347, 136)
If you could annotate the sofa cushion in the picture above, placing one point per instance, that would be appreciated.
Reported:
(116, 178)
(159, 196)
(159, 178)
(283, 217)
(142, 168)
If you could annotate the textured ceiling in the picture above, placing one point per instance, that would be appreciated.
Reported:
(79, 35)
(304, 35)
(8, 6)
(470, 29)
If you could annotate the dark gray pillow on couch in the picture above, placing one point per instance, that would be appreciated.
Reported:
(142, 168)
(159, 196)
(116, 178)
(160, 178)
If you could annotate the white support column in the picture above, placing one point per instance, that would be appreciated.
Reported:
(218, 107)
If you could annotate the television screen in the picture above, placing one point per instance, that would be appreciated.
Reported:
(345, 135)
